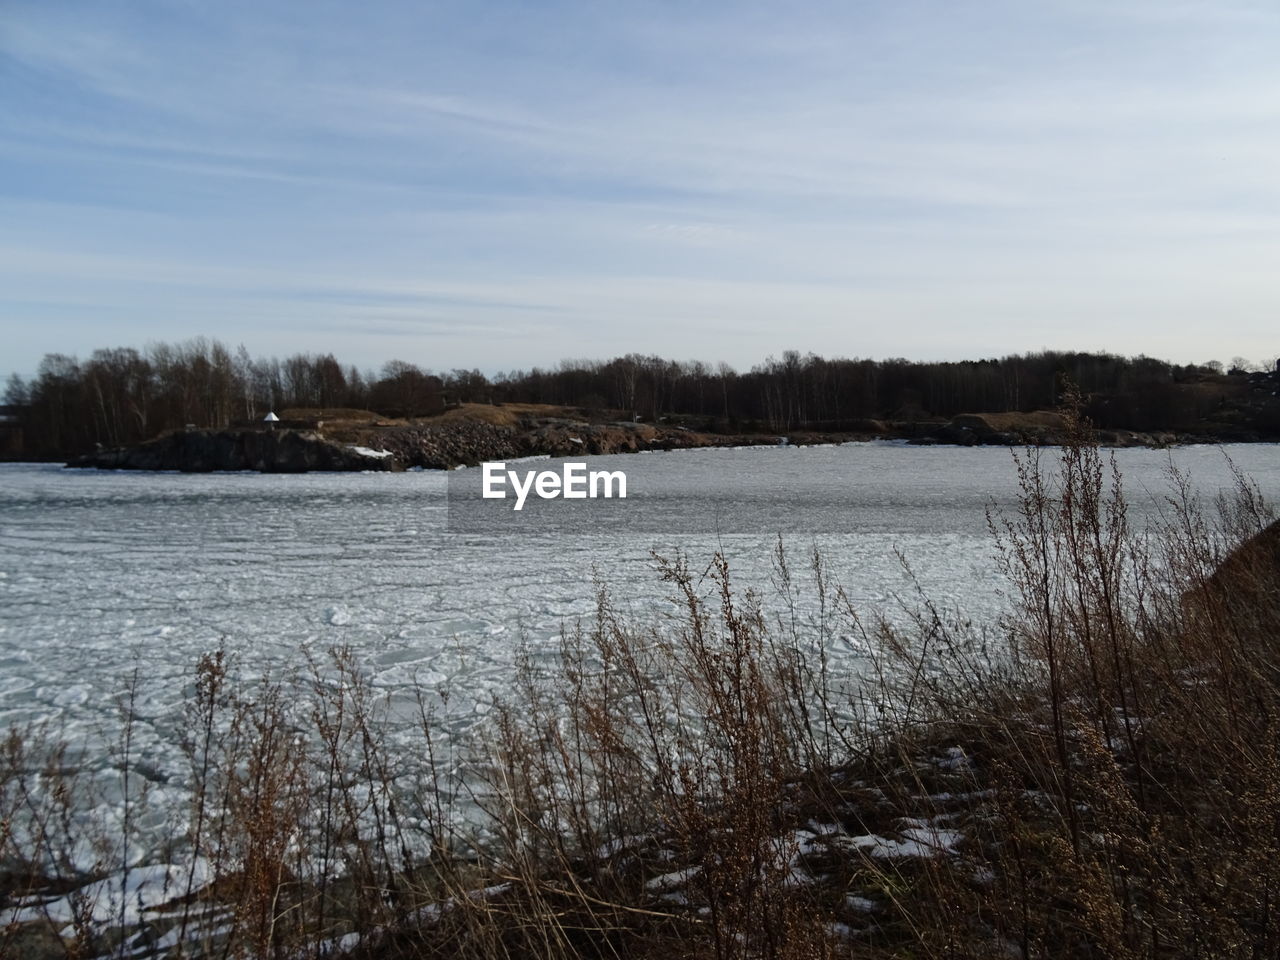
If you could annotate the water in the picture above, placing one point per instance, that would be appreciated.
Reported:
(108, 576)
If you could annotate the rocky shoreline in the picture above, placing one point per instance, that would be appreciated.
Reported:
(204, 451)
(443, 445)
(400, 447)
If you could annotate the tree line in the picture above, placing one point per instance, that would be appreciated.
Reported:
(123, 395)
(818, 393)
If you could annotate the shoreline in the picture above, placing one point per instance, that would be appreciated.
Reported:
(464, 441)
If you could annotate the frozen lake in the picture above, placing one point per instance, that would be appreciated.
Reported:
(104, 573)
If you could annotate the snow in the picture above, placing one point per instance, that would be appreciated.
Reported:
(953, 759)
(368, 452)
(619, 844)
(433, 911)
(144, 889)
(672, 881)
(339, 945)
(928, 841)
(919, 839)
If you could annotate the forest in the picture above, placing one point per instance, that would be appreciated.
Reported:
(122, 395)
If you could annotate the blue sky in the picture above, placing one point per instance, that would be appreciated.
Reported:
(508, 184)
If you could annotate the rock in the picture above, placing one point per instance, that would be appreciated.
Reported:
(1248, 580)
(1005, 429)
(267, 451)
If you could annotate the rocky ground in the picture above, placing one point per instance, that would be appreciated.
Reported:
(475, 433)
(202, 451)
(375, 444)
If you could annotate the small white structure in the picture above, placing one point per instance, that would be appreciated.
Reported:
(271, 418)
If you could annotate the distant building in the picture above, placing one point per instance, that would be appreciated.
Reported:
(273, 422)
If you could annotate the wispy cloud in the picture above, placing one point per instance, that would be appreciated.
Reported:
(513, 185)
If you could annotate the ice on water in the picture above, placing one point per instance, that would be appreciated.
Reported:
(109, 579)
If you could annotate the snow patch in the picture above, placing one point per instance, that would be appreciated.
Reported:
(369, 452)
(108, 901)
(923, 841)
(670, 881)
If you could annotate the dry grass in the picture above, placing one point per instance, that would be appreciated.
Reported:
(1015, 422)
(506, 415)
(329, 414)
(1098, 775)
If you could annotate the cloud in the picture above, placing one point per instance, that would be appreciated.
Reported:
(715, 180)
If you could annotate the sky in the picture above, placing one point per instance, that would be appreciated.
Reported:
(502, 185)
